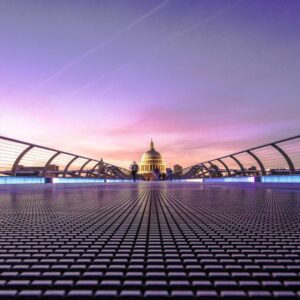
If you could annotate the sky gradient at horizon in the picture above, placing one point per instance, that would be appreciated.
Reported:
(101, 78)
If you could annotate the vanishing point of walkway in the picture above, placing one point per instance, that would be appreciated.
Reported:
(153, 240)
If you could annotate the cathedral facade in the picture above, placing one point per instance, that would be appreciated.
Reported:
(150, 161)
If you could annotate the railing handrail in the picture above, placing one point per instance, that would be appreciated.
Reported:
(274, 145)
(42, 147)
(31, 146)
(258, 147)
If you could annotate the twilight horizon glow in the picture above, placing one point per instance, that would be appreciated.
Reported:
(101, 78)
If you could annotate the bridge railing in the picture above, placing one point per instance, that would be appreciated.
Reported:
(277, 158)
(18, 158)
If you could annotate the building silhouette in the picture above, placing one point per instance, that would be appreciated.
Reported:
(177, 168)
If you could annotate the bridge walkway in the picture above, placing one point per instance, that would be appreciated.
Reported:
(152, 240)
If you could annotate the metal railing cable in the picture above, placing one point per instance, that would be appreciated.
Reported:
(281, 157)
(19, 158)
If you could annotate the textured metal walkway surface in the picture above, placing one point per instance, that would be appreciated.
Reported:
(149, 240)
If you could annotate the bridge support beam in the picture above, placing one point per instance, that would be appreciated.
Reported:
(240, 165)
(68, 165)
(17, 161)
(206, 168)
(82, 167)
(49, 162)
(286, 157)
(261, 166)
(225, 166)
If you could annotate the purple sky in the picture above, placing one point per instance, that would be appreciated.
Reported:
(100, 78)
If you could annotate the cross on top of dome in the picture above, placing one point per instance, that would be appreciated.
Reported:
(151, 145)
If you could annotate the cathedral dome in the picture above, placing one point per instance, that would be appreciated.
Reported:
(152, 160)
(151, 154)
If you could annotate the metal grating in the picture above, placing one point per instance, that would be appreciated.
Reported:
(150, 241)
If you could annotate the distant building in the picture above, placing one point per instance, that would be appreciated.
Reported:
(177, 168)
(150, 161)
(36, 170)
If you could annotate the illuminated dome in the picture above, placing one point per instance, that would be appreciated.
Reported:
(152, 160)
